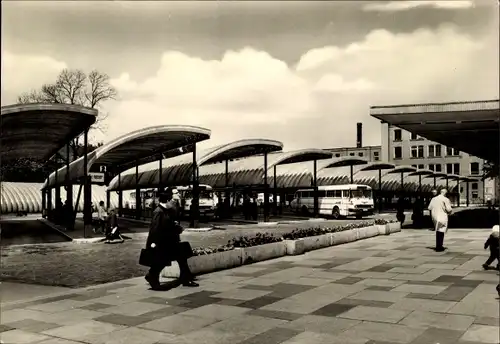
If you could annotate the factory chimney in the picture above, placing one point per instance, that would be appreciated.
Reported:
(359, 135)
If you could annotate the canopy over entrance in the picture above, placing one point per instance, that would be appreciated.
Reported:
(131, 149)
(178, 171)
(471, 127)
(38, 131)
(422, 172)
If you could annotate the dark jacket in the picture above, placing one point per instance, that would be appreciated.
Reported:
(164, 231)
(493, 243)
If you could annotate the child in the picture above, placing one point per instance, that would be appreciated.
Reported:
(112, 232)
(493, 243)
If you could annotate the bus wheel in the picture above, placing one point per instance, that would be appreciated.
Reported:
(336, 213)
(305, 211)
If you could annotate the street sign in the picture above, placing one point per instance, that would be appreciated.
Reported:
(96, 177)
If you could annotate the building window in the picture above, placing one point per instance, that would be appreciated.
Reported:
(431, 167)
(337, 155)
(434, 151)
(360, 154)
(417, 151)
(474, 186)
(414, 166)
(452, 151)
(414, 136)
(475, 195)
(421, 166)
(461, 189)
(398, 153)
(438, 168)
(397, 135)
(456, 168)
(351, 154)
(474, 168)
(376, 158)
(449, 168)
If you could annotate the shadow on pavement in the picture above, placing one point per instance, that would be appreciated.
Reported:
(465, 218)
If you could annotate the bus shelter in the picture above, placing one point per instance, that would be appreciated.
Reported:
(375, 167)
(182, 170)
(120, 154)
(38, 131)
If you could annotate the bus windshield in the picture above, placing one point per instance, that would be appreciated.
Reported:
(359, 193)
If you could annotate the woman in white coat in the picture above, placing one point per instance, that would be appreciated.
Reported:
(440, 208)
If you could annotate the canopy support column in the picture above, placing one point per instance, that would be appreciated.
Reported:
(160, 174)
(266, 191)
(402, 182)
(315, 185)
(44, 202)
(467, 193)
(380, 191)
(87, 187)
(446, 183)
(352, 174)
(108, 199)
(120, 195)
(193, 213)
(49, 200)
(275, 193)
(458, 192)
(484, 193)
(137, 193)
(69, 186)
(227, 194)
(57, 188)
(434, 182)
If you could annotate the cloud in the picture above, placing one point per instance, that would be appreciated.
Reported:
(314, 103)
(392, 6)
(22, 72)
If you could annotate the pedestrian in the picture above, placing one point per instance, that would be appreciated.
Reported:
(102, 215)
(163, 241)
(400, 209)
(493, 244)
(113, 233)
(434, 194)
(440, 208)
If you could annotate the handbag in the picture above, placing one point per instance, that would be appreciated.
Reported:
(146, 257)
(184, 250)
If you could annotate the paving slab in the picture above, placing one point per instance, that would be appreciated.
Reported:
(383, 290)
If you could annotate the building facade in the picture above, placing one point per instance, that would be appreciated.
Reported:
(371, 153)
(401, 147)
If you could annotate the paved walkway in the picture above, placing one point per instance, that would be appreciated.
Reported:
(378, 291)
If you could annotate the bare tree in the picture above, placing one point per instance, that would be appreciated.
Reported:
(73, 86)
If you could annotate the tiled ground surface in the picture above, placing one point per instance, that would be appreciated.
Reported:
(378, 291)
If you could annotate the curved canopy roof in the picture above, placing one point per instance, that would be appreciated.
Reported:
(422, 172)
(466, 126)
(135, 147)
(389, 182)
(469, 179)
(376, 166)
(402, 169)
(437, 175)
(178, 171)
(452, 177)
(38, 131)
(344, 161)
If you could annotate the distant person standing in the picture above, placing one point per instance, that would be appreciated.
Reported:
(102, 216)
(440, 208)
(434, 194)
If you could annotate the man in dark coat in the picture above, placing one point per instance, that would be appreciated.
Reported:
(164, 239)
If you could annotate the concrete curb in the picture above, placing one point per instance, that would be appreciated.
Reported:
(241, 256)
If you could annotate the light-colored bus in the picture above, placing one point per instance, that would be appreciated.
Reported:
(335, 200)
(207, 200)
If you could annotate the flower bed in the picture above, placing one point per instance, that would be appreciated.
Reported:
(246, 250)
(299, 233)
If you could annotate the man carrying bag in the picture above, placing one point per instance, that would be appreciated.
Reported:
(164, 245)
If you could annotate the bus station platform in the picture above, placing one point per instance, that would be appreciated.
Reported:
(387, 289)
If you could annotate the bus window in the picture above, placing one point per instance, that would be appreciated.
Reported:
(321, 193)
(345, 193)
(297, 195)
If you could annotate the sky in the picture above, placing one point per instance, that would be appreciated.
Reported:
(299, 72)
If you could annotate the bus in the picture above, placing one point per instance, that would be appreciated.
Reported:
(335, 200)
(207, 199)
